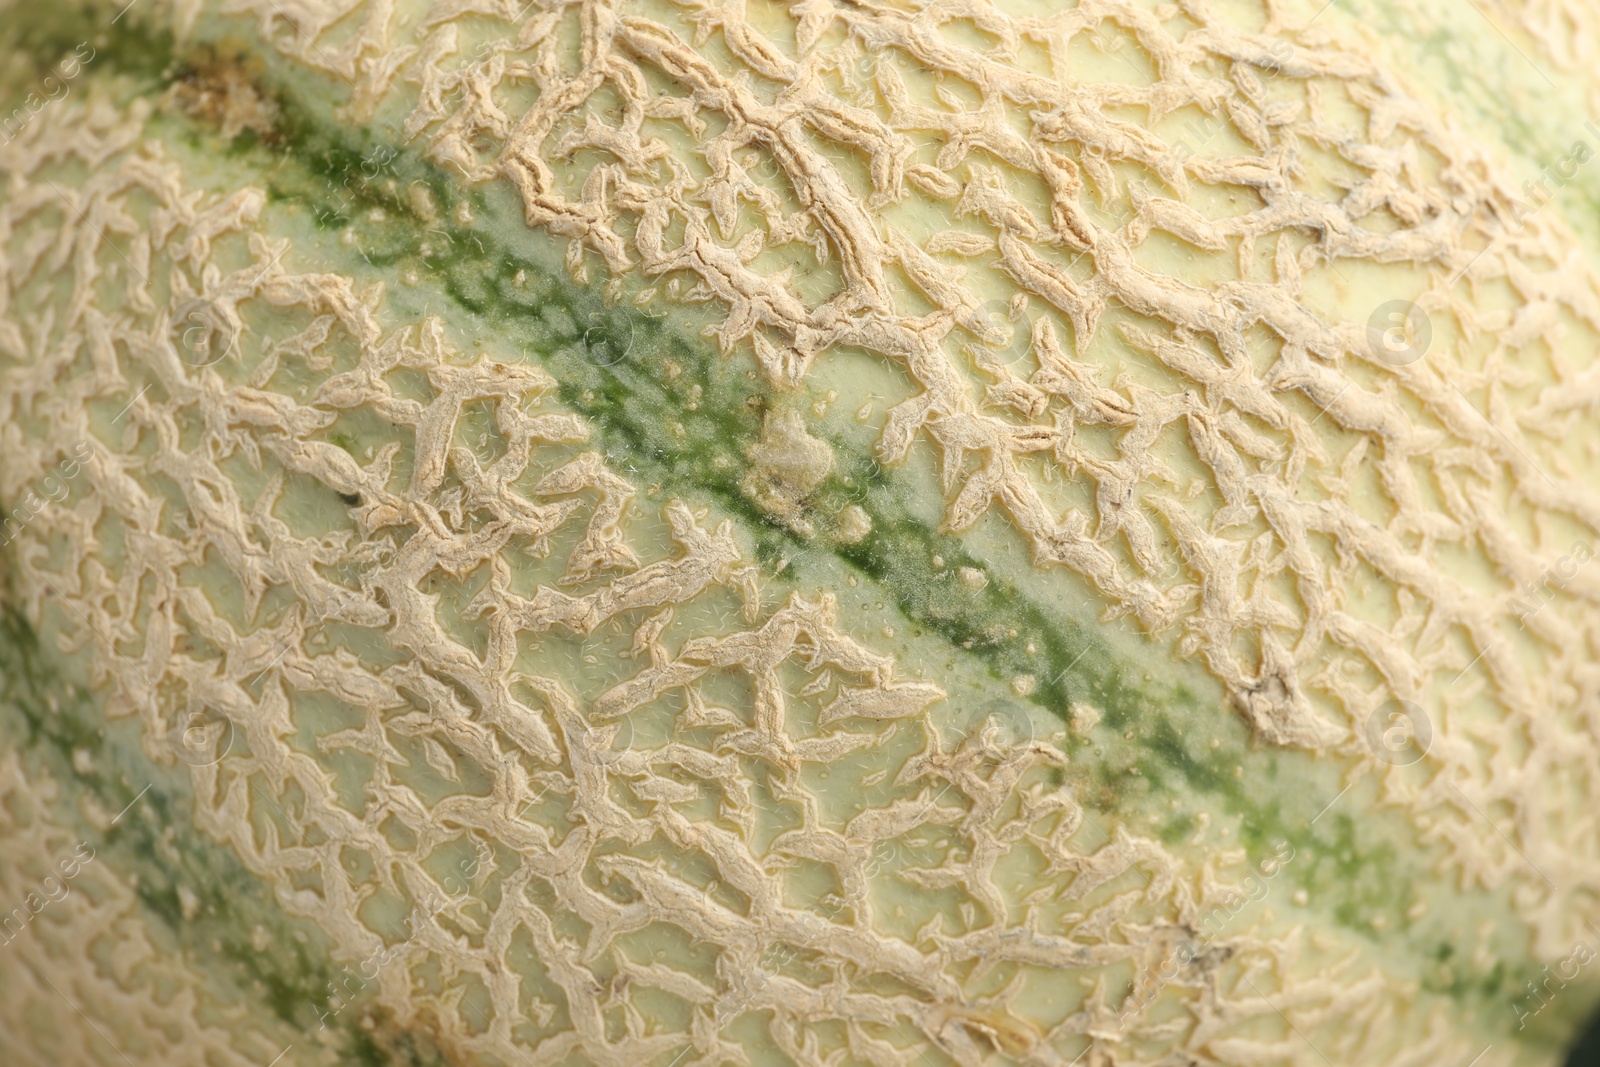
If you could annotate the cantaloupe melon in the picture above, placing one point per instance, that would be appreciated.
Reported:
(676, 532)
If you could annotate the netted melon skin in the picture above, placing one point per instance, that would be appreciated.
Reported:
(560, 760)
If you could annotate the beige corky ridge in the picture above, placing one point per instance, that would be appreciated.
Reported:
(628, 897)
(1328, 532)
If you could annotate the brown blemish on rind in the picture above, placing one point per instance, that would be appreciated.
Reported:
(220, 86)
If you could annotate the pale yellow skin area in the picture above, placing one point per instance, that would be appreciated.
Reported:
(1197, 433)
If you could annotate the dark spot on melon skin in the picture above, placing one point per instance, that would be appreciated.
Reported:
(218, 86)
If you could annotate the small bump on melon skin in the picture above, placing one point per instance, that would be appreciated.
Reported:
(418, 627)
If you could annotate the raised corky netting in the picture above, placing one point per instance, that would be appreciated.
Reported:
(539, 756)
(1334, 516)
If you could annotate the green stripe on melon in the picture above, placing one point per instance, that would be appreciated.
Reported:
(1398, 929)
